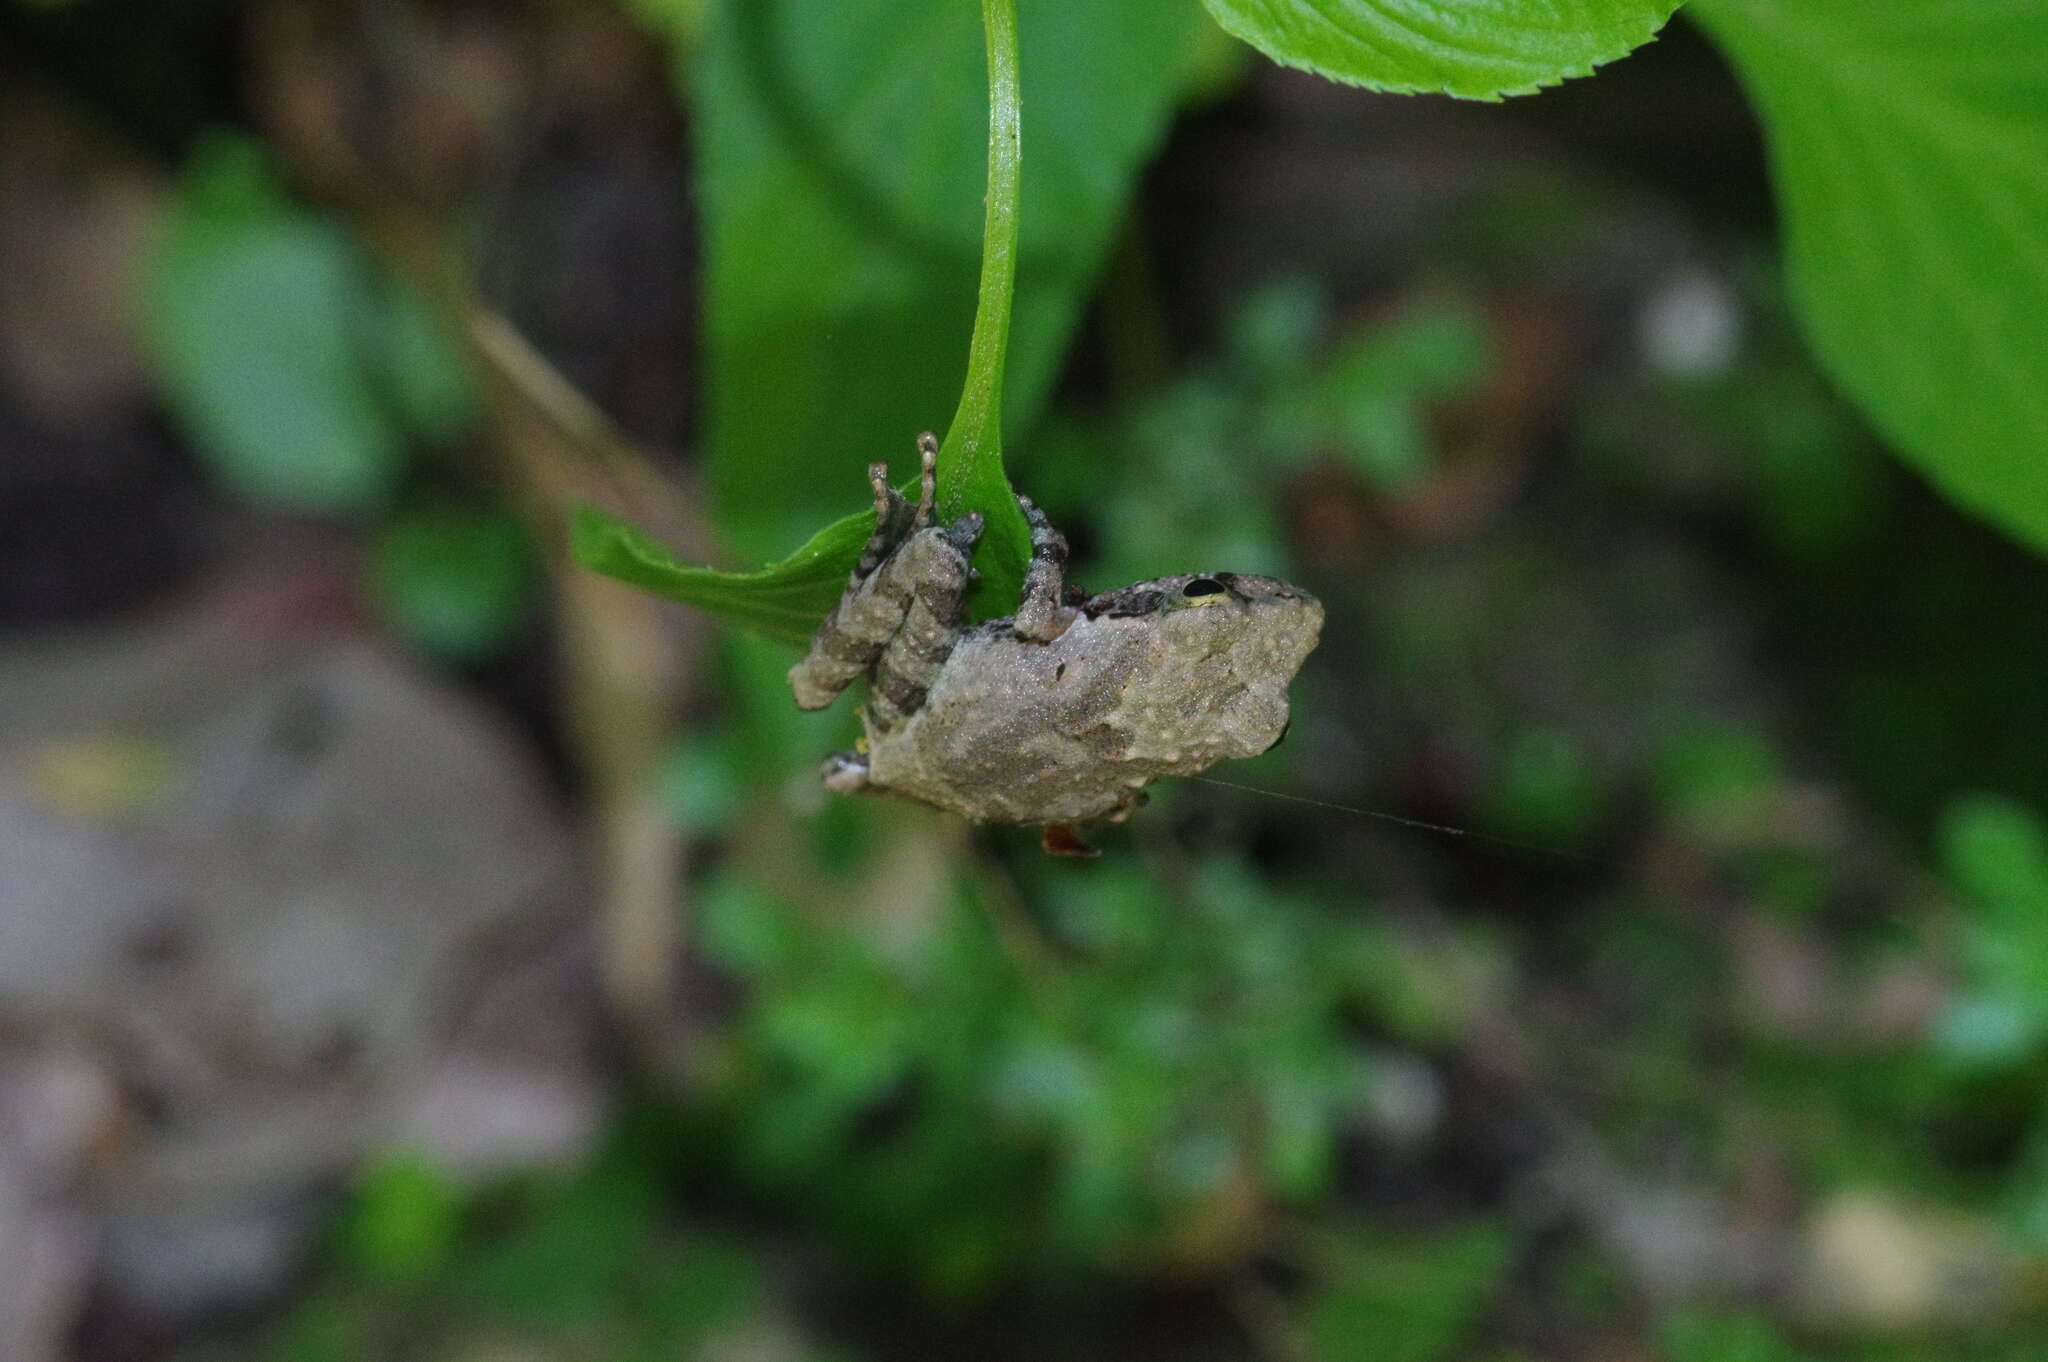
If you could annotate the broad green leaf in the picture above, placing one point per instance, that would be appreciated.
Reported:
(1909, 143)
(783, 601)
(1476, 49)
(843, 146)
(247, 315)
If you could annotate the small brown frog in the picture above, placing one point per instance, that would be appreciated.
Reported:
(1063, 712)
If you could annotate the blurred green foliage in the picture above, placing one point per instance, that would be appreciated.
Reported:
(1387, 1301)
(1996, 854)
(1285, 395)
(574, 1266)
(998, 1078)
(1704, 1337)
(454, 579)
(982, 1098)
(303, 374)
(310, 380)
(995, 1078)
(403, 1220)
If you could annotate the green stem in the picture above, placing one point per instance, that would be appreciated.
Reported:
(971, 460)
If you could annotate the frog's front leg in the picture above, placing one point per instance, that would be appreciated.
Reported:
(871, 609)
(934, 566)
(1042, 614)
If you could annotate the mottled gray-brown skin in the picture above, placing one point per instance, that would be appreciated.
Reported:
(1063, 712)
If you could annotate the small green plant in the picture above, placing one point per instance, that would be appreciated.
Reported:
(573, 1264)
(967, 1101)
(1996, 852)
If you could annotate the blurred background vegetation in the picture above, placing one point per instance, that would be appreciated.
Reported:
(414, 947)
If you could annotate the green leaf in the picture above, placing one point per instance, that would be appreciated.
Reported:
(844, 155)
(322, 1326)
(782, 602)
(1476, 49)
(1407, 1302)
(422, 369)
(1996, 850)
(1547, 789)
(1701, 1336)
(1375, 388)
(247, 313)
(1717, 782)
(453, 580)
(699, 783)
(1909, 143)
(404, 1220)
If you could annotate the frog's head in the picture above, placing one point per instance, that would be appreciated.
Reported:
(1212, 607)
(1208, 660)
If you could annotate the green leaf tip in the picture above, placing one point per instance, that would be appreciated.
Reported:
(1470, 49)
(782, 602)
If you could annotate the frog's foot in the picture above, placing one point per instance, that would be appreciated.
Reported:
(845, 772)
(892, 523)
(1042, 614)
(1063, 839)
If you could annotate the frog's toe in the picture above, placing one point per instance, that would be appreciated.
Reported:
(845, 772)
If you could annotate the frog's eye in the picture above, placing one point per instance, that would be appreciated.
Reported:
(1203, 586)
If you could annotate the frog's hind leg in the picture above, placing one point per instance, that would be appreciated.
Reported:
(934, 566)
(869, 611)
(1042, 614)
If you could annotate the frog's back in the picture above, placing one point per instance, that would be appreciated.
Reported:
(1014, 731)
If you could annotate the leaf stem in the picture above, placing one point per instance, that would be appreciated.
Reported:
(971, 460)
